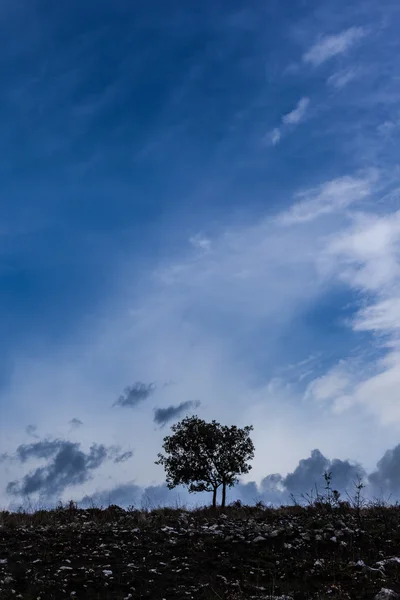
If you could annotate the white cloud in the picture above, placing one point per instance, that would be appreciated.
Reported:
(332, 45)
(387, 127)
(340, 79)
(332, 196)
(297, 115)
(200, 242)
(366, 256)
(384, 316)
(374, 392)
(275, 136)
(247, 275)
(329, 386)
(294, 117)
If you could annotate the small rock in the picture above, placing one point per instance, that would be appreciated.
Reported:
(376, 572)
(274, 533)
(386, 594)
(360, 563)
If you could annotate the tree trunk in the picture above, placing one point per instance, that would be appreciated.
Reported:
(223, 494)
(214, 497)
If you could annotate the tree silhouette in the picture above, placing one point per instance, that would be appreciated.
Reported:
(205, 456)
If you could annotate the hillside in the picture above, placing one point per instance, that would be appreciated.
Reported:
(239, 553)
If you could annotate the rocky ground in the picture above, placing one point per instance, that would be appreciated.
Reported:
(237, 553)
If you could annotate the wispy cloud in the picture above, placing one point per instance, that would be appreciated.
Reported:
(388, 127)
(330, 385)
(275, 136)
(329, 46)
(341, 78)
(297, 114)
(329, 197)
(366, 257)
(294, 117)
(200, 242)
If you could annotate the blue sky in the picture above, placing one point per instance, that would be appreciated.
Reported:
(200, 206)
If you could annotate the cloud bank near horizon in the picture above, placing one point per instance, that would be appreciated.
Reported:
(58, 478)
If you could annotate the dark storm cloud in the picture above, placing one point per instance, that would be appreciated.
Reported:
(41, 449)
(385, 480)
(308, 478)
(162, 416)
(134, 394)
(118, 456)
(69, 465)
(159, 495)
(272, 489)
(345, 474)
(247, 493)
(130, 494)
(31, 430)
(305, 481)
(123, 457)
(169, 383)
(124, 495)
(310, 472)
(307, 473)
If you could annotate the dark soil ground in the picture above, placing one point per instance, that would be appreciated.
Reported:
(240, 552)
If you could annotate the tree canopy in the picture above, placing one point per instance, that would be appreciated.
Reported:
(205, 456)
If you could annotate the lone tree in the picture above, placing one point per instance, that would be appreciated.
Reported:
(205, 456)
